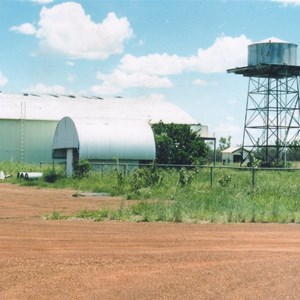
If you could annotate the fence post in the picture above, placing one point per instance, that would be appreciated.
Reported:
(253, 178)
(124, 170)
(211, 177)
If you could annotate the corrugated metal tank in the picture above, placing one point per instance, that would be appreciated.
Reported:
(272, 53)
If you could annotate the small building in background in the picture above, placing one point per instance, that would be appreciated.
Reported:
(233, 155)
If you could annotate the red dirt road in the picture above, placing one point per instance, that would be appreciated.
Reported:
(76, 259)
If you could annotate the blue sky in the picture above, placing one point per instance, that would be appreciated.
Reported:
(178, 50)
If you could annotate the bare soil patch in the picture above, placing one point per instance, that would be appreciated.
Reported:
(76, 259)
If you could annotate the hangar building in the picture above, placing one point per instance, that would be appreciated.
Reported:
(28, 122)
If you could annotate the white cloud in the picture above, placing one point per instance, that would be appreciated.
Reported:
(125, 80)
(287, 2)
(43, 2)
(70, 63)
(66, 29)
(232, 101)
(25, 28)
(41, 88)
(150, 71)
(71, 77)
(229, 118)
(226, 52)
(117, 81)
(153, 64)
(199, 82)
(3, 80)
(228, 129)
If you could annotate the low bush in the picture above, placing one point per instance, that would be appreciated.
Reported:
(82, 168)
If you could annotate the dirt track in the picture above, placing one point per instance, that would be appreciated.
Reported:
(75, 259)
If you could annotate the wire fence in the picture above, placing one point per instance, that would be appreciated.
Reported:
(219, 174)
(213, 174)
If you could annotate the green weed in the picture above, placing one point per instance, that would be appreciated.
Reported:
(170, 196)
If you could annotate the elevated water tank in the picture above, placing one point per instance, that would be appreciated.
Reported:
(273, 53)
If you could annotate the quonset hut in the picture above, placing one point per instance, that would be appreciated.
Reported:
(28, 122)
(103, 140)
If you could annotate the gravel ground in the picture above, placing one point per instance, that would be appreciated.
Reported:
(77, 259)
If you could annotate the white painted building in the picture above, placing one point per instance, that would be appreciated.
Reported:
(233, 155)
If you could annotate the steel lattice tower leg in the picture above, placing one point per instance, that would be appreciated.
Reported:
(272, 118)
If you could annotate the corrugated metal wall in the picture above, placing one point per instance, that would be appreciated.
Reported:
(38, 137)
(9, 140)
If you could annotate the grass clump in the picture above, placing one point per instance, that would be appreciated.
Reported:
(55, 216)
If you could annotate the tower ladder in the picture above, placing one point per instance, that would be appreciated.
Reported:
(22, 131)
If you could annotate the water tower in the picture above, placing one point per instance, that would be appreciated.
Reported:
(272, 120)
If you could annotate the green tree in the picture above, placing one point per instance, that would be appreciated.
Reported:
(224, 143)
(293, 154)
(178, 144)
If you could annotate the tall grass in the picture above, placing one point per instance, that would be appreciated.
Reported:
(186, 196)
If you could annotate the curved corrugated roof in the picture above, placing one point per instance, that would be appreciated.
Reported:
(105, 139)
(46, 107)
